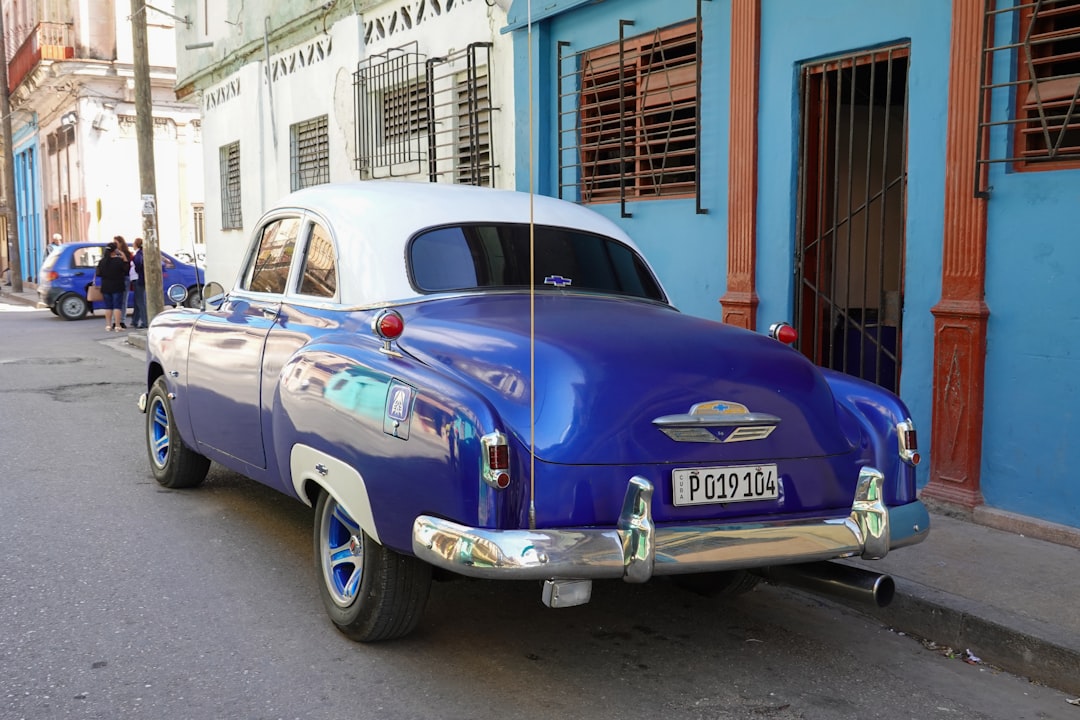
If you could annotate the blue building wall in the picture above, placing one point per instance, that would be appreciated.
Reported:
(688, 250)
(29, 210)
(793, 32)
(1031, 369)
(1033, 363)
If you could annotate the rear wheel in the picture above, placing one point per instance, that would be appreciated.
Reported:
(718, 584)
(173, 463)
(71, 307)
(370, 592)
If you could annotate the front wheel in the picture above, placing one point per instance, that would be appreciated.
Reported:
(194, 297)
(370, 592)
(173, 463)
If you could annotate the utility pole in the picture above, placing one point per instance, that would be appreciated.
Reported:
(13, 254)
(144, 131)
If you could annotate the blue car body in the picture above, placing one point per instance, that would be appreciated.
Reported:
(69, 270)
(399, 363)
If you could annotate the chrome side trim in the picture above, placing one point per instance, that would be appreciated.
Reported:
(636, 550)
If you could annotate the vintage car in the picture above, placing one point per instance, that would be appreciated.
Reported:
(483, 383)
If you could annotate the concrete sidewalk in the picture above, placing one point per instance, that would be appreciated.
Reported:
(1013, 601)
(1004, 596)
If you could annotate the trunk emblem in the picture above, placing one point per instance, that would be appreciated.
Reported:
(718, 407)
(717, 421)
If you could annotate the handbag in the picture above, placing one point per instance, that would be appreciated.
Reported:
(93, 294)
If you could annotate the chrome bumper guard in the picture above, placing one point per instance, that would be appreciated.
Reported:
(636, 550)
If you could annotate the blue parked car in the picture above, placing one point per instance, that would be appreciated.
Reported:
(69, 270)
(486, 384)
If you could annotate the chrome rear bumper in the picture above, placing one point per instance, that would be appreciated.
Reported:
(636, 550)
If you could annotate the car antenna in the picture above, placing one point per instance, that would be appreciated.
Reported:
(198, 281)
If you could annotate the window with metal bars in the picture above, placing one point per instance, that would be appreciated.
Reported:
(472, 165)
(1049, 76)
(229, 160)
(393, 110)
(1039, 41)
(405, 112)
(309, 152)
(632, 132)
(417, 115)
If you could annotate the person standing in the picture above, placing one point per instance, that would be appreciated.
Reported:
(113, 271)
(125, 252)
(54, 244)
(138, 311)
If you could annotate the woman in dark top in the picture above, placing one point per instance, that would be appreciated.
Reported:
(113, 271)
(125, 252)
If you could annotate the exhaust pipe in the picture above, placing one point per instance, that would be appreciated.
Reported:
(829, 578)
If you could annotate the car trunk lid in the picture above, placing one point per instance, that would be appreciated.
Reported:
(622, 381)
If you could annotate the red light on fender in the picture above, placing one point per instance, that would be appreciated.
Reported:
(388, 325)
(499, 457)
(908, 442)
(783, 332)
(496, 460)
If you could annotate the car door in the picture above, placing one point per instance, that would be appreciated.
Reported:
(311, 307)
(225, 357)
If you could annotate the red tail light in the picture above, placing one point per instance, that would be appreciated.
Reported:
(51, 275)
(496, 460)
(908, 441)
(784, 333)
(388, 325)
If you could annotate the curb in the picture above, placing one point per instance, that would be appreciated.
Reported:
(1020, 645)
(16, 299)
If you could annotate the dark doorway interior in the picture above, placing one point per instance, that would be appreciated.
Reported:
(849, 253)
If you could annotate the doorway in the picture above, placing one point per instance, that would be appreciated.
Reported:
(852, 205)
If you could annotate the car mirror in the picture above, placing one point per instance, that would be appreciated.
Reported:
(213, 294)
(177, 293)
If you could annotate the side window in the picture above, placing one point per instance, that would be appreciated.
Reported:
(319, 277)
(269, 268)
(86, 257)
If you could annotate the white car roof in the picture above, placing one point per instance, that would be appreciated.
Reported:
(385, 215)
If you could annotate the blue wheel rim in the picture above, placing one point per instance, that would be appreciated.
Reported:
(341, 551)
(159, 432)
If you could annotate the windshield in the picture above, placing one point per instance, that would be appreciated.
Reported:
(469, 257)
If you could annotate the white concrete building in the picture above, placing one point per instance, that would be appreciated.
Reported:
(73, 124)
(299, 93)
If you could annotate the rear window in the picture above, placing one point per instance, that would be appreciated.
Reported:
(470, 257)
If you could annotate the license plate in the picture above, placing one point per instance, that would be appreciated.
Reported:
(709, 485)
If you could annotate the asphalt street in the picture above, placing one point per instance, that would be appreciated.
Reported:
(121, 599)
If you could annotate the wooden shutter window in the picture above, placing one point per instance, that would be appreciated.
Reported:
(1049, 71)
(639, 137)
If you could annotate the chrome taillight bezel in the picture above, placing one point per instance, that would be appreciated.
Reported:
(496, 477)
(907, 441)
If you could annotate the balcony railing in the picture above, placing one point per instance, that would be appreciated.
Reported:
(47, 41)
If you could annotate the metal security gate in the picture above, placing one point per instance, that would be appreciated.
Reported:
(849, 250)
